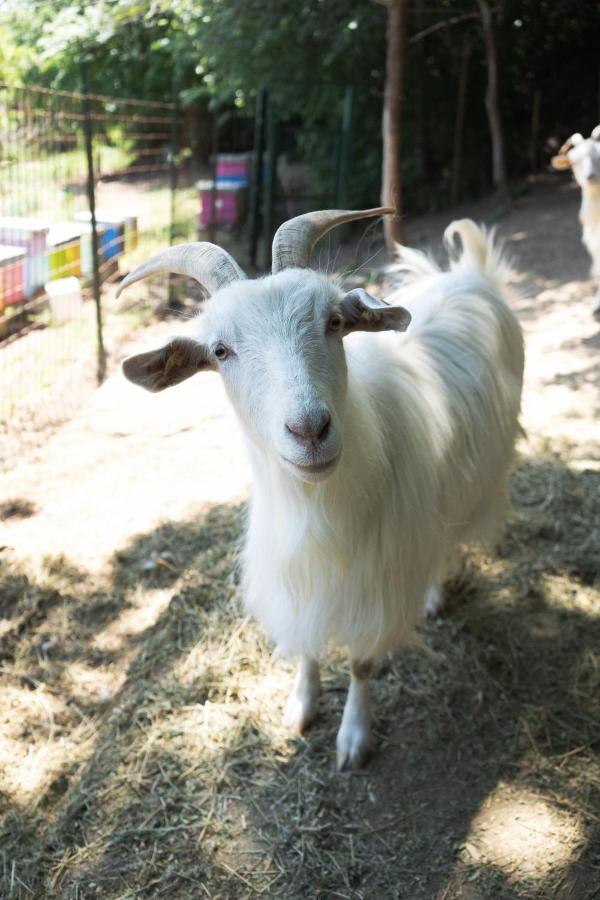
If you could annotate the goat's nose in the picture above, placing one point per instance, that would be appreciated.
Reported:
(592, 177)
(310, 429)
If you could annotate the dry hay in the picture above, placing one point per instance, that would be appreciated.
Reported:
(143, 753)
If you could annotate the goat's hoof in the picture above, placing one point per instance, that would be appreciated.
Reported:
(434, 601)
(299, 713)
(354, 745)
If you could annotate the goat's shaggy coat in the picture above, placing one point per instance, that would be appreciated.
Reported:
(428, 433)
(374, 457)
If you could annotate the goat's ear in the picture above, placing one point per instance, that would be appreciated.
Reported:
(362, 312)
(561, 161)
(162, 368)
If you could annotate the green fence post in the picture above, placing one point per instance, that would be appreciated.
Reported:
(173, 175)
(257, 173)
(270, 185)
(212, 225)
(91, 192)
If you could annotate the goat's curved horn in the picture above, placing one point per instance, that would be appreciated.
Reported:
(595, 135)
(571, 142)
(294, 240)
(210, 265)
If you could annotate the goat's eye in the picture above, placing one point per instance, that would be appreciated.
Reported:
(221, 351)
(335, 322)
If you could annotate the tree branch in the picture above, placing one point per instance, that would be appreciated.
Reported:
(454, 20)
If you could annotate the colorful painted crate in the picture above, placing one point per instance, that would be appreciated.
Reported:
(225, 205)
(87, 265)
(111, 235)
(64, 249)
(235, 167)
(130, 225)
(12, 275)
(32, 236)
(120, 231)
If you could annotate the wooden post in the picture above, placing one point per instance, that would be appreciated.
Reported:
(491, 100)
(391, 188)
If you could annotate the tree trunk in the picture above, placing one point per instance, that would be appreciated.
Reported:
(491, 100)
(459, 122)
(391, 189)
(423, 111)
(535, 130)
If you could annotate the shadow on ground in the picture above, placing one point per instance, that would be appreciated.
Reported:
(143, 755)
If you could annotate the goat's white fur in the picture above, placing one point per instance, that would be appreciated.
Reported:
(582, 156)
(428, 429)
(425, 422)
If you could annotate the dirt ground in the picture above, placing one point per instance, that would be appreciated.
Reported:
(141, 749)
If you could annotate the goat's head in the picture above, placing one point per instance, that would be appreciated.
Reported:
(276, 341)
(582, 155)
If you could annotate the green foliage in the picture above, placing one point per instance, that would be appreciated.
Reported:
(15, 58)
(221, 52)
(304, 53)
(131, 45)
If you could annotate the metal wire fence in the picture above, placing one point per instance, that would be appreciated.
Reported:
(92, 185)
(89, 186)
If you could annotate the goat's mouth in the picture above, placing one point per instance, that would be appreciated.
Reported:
(314, 471)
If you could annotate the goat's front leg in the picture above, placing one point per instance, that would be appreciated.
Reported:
(302, 702)
(354, 738)
(434, 600)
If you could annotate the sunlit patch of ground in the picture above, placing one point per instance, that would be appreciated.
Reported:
(141, 746)
(523, 834)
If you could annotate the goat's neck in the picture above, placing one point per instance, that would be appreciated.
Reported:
(590, 205)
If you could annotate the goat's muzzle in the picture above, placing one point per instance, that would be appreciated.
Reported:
(311, 430)
(312, 446)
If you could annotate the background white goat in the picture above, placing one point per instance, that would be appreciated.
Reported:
(582, 156)
(373, 457)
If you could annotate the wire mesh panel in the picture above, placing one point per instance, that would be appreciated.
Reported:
(140, 183)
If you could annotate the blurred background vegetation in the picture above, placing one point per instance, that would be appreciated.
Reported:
(215, 55)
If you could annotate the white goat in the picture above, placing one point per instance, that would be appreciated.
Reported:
(583, 157)
(372, 457)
